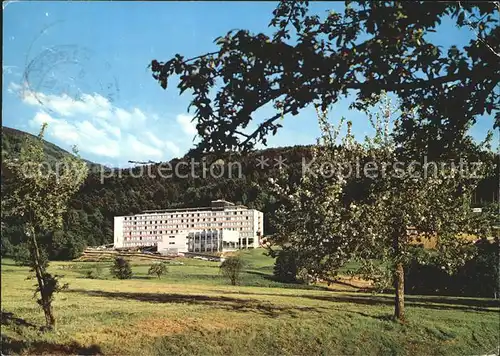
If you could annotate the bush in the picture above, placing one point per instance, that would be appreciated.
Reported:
(231, 267)
(286, 266)
(158, 268)
(304, 277)
(95, 273)
(65, 246)
(427, 279)
(479, 277)
(121, 269)
(21, 254)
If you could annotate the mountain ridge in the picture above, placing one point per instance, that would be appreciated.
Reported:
(11, 142)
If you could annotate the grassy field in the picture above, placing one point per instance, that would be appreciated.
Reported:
(193, 310)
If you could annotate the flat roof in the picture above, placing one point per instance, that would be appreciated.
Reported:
(231, 207)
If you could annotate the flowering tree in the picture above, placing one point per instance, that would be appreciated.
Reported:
(39, 196)
(362, 200)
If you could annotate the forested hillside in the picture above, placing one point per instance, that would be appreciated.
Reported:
(89, 221)
(12, 139)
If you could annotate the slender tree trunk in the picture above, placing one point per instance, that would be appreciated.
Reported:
(46, 303)
(399, 300)
(399, 280)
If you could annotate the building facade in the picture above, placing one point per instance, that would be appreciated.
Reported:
(172, 227)
(200, 241)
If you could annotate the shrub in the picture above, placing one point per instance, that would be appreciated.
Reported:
(304, 277)
(21, 254)
(121, 269)
(95, 273)
(479, 277)
(65, 246)
(158, 268)
(231, 268)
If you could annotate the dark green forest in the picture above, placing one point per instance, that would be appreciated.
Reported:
(89, 221)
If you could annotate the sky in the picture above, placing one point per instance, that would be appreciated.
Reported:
(81, 67)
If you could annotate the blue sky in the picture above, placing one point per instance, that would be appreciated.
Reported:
(86, 69)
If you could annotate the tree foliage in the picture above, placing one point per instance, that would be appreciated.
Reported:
(231, 268)
(158, 269)
(37, 199)
(478, 277)
(368, 49)
(287, 265)
(339, 213)
(121, 268)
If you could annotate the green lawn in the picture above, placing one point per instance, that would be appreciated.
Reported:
(193, 311)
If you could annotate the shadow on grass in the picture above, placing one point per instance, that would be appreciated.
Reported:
(12, 264)
(430, 302)
(11, 320)
(220, 302)
(267, 276)
(443, 303)
(12, 346)
(272, 278)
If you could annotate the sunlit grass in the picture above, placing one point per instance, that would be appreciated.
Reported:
(193, 310)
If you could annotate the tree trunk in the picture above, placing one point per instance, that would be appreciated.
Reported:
(399, 277)
(46, 303)
(399, 285)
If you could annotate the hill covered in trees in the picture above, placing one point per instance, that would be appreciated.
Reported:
(184, 182)
(11, 144)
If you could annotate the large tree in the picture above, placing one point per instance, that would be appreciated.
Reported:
(372, 201)
(38, 197)
(369, 48)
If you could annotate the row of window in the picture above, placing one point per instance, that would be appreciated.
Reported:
(166, 227)
(157, 234)
(140, 238)
(171, 227)
(176, 221)
(187, 215)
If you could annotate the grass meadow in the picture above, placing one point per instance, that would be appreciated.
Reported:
(194, 311)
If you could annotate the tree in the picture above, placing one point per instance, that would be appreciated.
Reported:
(64, 245)
(376, 213)
(39, 196)
(121, 269)
(286, 266)
(158, 268)
(370, 48)
(231, 268)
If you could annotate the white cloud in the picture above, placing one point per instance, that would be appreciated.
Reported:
(98, 127)
(60, 129)
(66, 106)
(154, 140)
(187, 125)
(42, 117)
(84, 134)
(138, 149)
(172, 147)
(14, 88)
(12, 70)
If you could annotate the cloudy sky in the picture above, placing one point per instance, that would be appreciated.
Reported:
(82, 68)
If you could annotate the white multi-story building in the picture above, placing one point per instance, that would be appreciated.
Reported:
(173, 226)
(200, 241)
